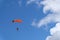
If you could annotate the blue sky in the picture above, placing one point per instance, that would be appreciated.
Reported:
(10, 10)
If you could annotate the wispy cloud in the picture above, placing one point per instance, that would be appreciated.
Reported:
(55, 33)
(55, 29)
(34, 23)
(19, 3)
(54, 7)
(55, 17)
(30, 1)
(33, 1)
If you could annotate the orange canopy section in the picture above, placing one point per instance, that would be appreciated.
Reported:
(17, 20)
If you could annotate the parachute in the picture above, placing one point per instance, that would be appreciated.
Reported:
(17, 21)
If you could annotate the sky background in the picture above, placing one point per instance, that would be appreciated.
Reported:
(19, 9)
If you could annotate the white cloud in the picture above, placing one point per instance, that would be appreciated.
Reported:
(56, 36)
(34, 23)
(54, 7)
(55, 17)
(33, 1)
(55, 29)
(55, 33)
(29, 1)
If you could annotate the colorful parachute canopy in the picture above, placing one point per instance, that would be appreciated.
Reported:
(17, 20)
